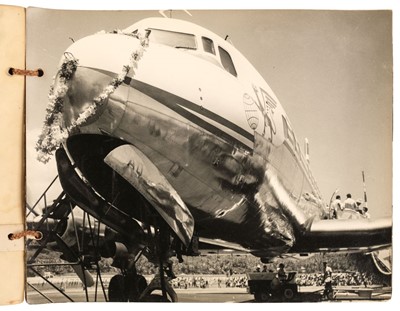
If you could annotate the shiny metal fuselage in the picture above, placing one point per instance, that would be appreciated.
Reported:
(242, 185)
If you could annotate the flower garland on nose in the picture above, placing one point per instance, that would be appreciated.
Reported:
(54, 132)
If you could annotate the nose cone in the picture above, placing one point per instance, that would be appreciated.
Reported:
(92, 70)
(103, 61)
(86, 88)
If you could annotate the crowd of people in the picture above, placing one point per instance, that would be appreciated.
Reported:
(230, 270)
(338, 279)
(185, 282)
(235, 281)
(326, 277)
(190, 282)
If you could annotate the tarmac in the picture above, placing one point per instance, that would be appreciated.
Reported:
(216, 295)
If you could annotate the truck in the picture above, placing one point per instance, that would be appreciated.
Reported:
(266, 286)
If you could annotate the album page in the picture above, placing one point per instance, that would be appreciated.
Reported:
(12, 92)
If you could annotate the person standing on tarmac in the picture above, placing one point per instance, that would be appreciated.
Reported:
(327, 281)
(278, 281)
(281, 273)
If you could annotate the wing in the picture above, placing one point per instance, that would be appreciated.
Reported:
(362, 235)
(221, 246)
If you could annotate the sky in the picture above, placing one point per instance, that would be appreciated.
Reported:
(331, 71)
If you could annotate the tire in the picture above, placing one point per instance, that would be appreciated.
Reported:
(288, 294)
(116, 289)
(141, 283)
(134, 286)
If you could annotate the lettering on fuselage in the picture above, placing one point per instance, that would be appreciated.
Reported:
(264, 105)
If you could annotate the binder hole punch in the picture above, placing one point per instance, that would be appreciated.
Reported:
(22, 72)
(29, 234)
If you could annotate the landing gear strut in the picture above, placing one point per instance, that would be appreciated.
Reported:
(165, 273)
(130, 286)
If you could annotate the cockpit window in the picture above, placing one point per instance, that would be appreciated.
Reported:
(226, 61)
(177, 40)
(208, 45)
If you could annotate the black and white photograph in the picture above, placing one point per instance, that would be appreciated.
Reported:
(209, 155)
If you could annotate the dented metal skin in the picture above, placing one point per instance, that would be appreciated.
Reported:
(223, 177)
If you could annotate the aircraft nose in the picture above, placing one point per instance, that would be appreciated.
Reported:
(89, 84)
(102, 62)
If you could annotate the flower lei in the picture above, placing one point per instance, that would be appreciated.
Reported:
(54, 132)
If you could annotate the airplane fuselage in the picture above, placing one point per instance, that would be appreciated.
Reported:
(200, 112)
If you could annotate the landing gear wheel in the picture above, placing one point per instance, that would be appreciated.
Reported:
(134, 286)
(126, 288)
(116, 289)
(288, 294)
(141, 283)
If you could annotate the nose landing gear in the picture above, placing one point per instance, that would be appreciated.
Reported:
(133, 287)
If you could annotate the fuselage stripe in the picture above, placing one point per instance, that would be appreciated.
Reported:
(177, 103)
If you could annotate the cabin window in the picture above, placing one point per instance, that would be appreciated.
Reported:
(226, 61)
(173, 39)
(208, 45)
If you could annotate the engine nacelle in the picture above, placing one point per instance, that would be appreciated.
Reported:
(122, 257)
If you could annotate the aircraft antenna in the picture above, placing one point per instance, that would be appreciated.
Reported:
(162, 12)
(228, 39)
(365, 190)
